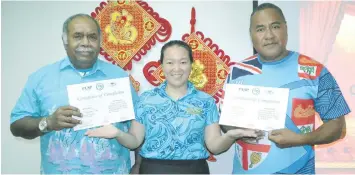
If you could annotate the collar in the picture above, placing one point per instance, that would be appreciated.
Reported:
(190, 89)
(289, 55)
(98, 66)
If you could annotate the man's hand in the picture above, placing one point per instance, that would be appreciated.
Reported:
(62, 118)
(285, 138)
(107, 132)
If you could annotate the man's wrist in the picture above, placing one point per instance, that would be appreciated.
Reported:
(43, 125)
(49, 124)
(305, 139)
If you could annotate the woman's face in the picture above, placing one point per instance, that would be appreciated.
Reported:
(176, 66)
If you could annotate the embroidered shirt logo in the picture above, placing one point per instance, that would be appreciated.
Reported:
(310, 70)
(194, 111)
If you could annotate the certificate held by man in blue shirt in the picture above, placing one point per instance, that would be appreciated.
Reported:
(102, 102)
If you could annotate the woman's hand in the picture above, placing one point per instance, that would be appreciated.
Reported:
(107, 131)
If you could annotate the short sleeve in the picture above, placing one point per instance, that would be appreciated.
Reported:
(330, 102)
(212, 112)
(27, 104)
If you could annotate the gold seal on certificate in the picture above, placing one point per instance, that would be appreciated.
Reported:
(254, 107)
(102, 102)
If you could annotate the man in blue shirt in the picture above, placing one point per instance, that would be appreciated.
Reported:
(312, 90)
(43, 110)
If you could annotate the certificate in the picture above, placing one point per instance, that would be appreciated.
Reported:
(254, 107)
(102, 102)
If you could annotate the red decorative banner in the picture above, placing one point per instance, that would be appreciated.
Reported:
(209, 70)
(129, 30)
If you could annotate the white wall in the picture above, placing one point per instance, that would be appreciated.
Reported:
(31, 38)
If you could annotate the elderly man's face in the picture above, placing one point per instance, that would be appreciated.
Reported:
(269, 34)
(83, 42)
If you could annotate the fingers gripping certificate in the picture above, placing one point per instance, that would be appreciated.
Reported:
(102, 102)
(254, 107)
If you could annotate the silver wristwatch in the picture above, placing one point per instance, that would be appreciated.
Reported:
(43, 125)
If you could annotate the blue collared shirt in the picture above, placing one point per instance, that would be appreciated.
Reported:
(69, 151)
(174, 129)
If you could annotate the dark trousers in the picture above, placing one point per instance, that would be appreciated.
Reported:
(156, 166)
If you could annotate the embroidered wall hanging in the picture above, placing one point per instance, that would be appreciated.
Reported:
(129, 30)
